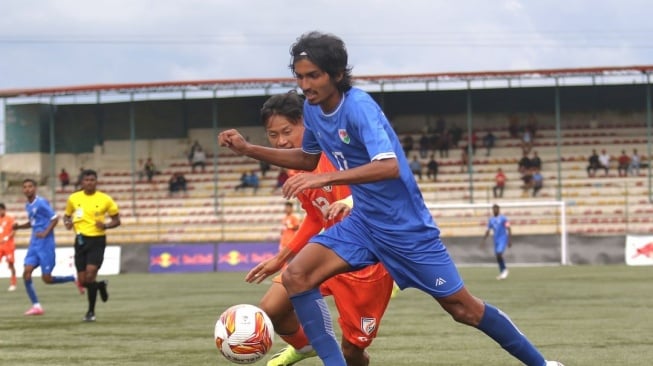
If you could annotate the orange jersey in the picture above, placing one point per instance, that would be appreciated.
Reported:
(316, 202)
(7, 232)
(290, 225)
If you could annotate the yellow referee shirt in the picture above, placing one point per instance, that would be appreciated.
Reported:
(85, 210)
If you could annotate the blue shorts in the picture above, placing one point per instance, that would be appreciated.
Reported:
(419, 261)
(500, 247)
(41, 254)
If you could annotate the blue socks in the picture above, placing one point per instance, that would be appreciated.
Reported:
(502, 264)
(29, 287)
(63, 279)
(499, 327)
(313, 313)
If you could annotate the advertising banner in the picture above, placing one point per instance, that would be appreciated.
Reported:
(182, 258)
(65, 262)
(236, 257)
(639, 250)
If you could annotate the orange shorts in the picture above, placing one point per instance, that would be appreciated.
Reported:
(361, 298)
(7, 252)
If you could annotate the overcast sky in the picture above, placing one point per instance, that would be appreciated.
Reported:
(76, 42)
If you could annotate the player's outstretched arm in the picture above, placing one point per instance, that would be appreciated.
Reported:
(269, 267)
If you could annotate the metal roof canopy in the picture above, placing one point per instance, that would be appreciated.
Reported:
(289, 83)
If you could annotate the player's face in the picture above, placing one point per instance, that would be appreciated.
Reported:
(283, 134)
(495, 210)
(29, 190)
(317, 85)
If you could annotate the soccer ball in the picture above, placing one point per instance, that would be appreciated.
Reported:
(244, 333)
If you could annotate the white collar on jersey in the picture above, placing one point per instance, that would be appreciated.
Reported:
(342, 101)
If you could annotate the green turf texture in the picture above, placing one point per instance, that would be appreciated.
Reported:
(579, 315)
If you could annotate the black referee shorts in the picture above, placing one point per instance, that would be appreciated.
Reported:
(89, 250)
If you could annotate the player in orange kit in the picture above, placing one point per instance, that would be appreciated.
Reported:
(7, 246)
(289, 225)
(361, 297)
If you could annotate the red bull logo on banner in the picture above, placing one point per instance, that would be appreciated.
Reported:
(639, 250)
(234, 257)
(182, 258)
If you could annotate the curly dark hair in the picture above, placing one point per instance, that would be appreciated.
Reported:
(326, 51)
(289, 105)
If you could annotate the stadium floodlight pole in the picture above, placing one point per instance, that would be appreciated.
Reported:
(132, 140)
(53, 160)
(558, 141)
(648, 134)
(470, 155)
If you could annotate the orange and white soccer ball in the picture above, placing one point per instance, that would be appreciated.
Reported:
(244, 333)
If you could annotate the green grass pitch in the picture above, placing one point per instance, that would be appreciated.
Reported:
(579, 315)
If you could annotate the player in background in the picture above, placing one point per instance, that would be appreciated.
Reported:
(289, 225)
(361, 297)
(86, 212)
(7, 245)
(500, 226)
(41, 250)
(390, 223)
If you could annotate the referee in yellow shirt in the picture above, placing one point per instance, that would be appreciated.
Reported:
(86, 212)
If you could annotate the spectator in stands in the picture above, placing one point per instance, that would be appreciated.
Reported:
(488, 142)
(407, 144)
(249, 180)
(192, 150)
(513, 125)
(198, 159)
(444, 143)
(80, 177)
(64, 178)
(456, 134)
(635, 162)
(524, 164)
(264, 167)
(526, 141)
(440, 125)
(538, 181)
(416, 167)
(535, 161)
(604, 160)
(282, 177)
(593, 164)
(527, 179)
(474, 141)
(531, 125)
(150, 170)
(177, 183)
(432, 168)
(464, 158)
(499, 184)
(624, 163)
(424, 146)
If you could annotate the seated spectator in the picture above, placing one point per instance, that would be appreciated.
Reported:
(513, 125)
(64, 178)
(635, 162)
(604, 160)
(499, 184)
(624, 163)
(282, 177)
(488, 142)
(474, 139)
(527, 178)
(192, 150)
(407, 144)
(538, 181)
(593, 164)
(464, 159)
(432, 168)
(177, 183)
(524, 164)
(444, 143)
(249, 180)
(416, 167)
(424, 146)
(149, 169)
(456, 134)
(264, 166)
(536, 162)
(198, 159)
(526, 141)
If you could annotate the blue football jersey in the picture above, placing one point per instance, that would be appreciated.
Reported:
(499, 225)
(356, 133)
(40, 215)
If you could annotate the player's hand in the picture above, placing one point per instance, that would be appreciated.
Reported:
(100, 225)
(264, 269)
(299, 182)
(41, 234)
(233, 140)
(68, 224)
(338, 209)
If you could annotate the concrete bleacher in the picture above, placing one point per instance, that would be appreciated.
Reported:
(213, 211)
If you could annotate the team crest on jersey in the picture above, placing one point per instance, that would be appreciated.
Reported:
(344, 136)
(327, 188)
(368, 325)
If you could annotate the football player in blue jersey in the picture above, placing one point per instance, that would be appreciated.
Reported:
(390, 222)
(500, 227)
(41, 250)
